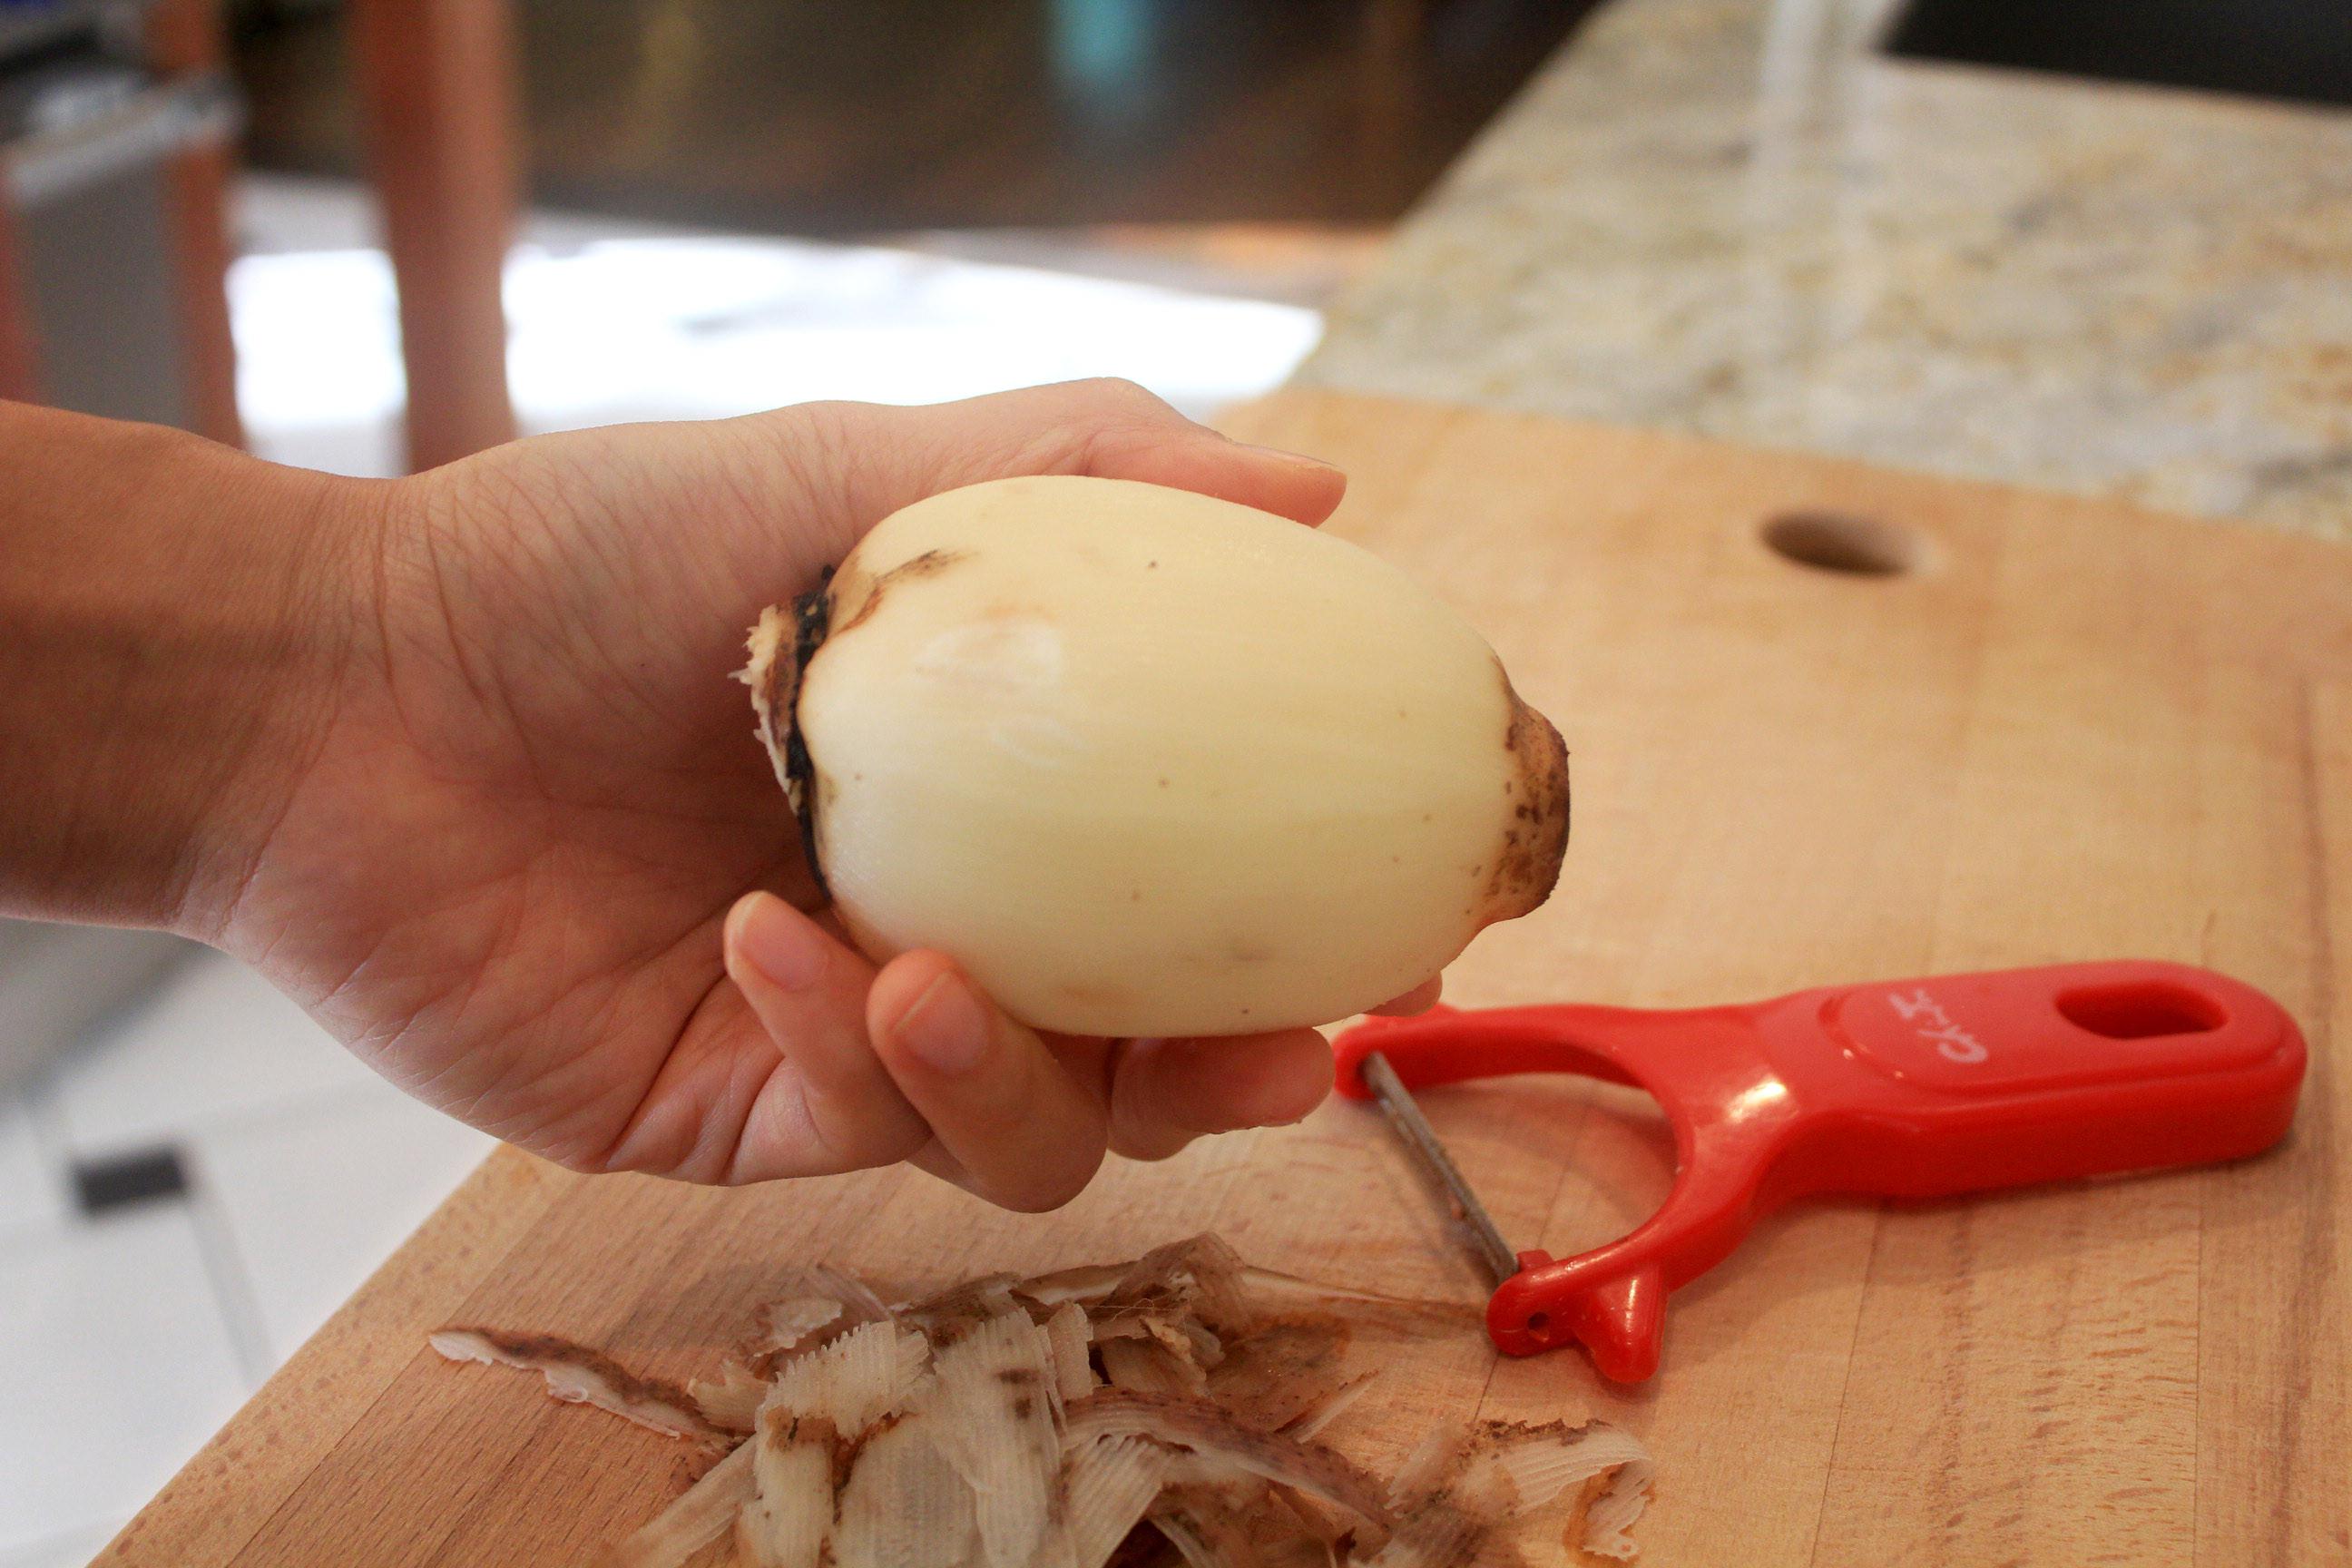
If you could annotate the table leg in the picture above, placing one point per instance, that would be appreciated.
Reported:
(183, 37)
(436, 88)
(17, 360)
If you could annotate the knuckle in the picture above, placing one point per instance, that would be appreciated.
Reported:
(830, 424)
(815, 446)
(1115, 410)
(1118, 392)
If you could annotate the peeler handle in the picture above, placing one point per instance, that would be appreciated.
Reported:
(1950, 1084)
(1915, 1087)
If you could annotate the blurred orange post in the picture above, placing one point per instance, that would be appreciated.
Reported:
(17, 378)
(437, 87)
(184, 40)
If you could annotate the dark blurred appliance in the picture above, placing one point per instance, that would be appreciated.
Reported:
(90, 132)
(2294, 49)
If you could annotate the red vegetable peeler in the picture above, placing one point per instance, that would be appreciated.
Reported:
(1907, 1088)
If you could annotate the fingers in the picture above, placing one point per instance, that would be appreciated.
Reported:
(836, 1109)
(1165, 1093)
(914, 1064)
(1153, 443)
(1115, 429)
(860, 462)
(1025, 1130)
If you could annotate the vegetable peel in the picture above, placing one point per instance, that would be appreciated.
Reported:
(995, 1424)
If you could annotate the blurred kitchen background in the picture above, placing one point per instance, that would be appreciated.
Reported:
(2097, 244)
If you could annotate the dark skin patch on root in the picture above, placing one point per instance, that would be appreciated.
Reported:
(812, 616)
(817, 618)
(863, 595)
(1534, 839)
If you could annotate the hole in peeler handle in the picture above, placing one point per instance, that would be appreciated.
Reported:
(2142, 1010)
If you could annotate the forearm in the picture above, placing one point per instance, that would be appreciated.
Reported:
(174, 619)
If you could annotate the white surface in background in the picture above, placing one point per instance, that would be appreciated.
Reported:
(129, 1337)
(217, 1043)
(644, 324)
(117, 1367)
(316, 1201)
(71, 1549)
(31, 1194)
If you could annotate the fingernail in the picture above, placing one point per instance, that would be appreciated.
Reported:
(783, 945)
(1296, 459)
(945, 1029)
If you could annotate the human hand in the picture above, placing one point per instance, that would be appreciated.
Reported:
(534, 866)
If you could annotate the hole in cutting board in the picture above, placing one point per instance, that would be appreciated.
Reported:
(1843, 542)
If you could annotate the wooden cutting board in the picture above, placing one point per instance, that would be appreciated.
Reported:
(2067, 731)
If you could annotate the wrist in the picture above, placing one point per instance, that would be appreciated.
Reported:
(180, 621)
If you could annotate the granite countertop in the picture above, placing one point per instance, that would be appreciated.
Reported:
(1736, 217)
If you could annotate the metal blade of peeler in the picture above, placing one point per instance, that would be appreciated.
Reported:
(1421, 1142)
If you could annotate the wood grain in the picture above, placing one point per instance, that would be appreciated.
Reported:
(2074, 730)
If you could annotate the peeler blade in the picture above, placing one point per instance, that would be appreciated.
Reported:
(1420, 1141)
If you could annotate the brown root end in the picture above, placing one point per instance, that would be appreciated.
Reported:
(781, 645)
(1535, 832)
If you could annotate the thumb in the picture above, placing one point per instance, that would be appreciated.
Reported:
(862, 461)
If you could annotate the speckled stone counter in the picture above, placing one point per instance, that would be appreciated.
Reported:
(1738, 218)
